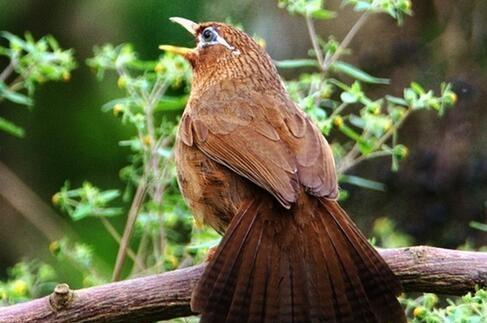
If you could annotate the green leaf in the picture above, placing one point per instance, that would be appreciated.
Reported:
(17, 98)
(11, 128)
(348, 97)
(362, 182)
(108, 195)
(417, 88)
(396, 100)
(14, 97)
(357, 121)
(82, 212)
(169, 103)
(356, 73)
(349, 132)
(109, 212)
(296, 63)
(478, 226)
(110, 104)
(13, 39)
(323, 14)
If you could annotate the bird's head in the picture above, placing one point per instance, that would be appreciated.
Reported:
(223, 52)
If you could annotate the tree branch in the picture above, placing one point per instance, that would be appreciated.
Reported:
(165, 296)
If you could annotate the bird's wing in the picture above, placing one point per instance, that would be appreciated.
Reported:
(314, 158)
(274, 146)
(246, 151)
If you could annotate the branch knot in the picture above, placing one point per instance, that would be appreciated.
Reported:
(60, 297)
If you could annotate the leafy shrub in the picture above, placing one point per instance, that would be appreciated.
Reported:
(155, 93)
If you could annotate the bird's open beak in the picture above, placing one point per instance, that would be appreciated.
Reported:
(190, 26)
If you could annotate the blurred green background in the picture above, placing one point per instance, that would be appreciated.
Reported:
(439, 190)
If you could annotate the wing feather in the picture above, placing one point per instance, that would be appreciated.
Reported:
(265, 139)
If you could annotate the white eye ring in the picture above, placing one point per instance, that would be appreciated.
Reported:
(205, 40)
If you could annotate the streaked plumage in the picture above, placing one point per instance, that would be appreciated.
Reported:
(254, 167)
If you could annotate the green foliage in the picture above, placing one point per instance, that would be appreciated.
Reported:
(27, 280)
(333, 93)
(163, 224)
(373, 131)
(86, 201)
(397, 9)
(81, 257)
(31, 63)
(312, 8)
(315, 8)
(386, 234)
(479, 226)
(470, 308)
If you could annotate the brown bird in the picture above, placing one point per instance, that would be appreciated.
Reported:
(255, 168)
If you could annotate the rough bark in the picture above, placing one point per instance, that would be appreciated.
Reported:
(165, 296)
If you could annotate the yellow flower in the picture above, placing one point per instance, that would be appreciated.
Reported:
(122, 82)
(147, 140)
(56, 198)
(19, 287)
(408, 4)
(66, 76)
(453, 97)
(159, 68)
(54, 247)
(401, 151)
(117, 109)
(338, 121)
(419, 311)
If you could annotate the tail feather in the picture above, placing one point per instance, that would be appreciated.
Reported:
(300, 282)
(343, 309)
(241, 297)
(326, 303)
(355, 291)
(369, 256)
(285, 290)
(259, 278)
(310, 264)
(219, 283)
(271, 309)
(378, 279)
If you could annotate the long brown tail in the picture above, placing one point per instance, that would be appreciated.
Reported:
(310, 264)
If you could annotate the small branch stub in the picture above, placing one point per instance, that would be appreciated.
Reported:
(60, 297)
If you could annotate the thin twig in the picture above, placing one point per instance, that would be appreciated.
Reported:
(330, 59)
(7, 71)
(314, 39)
(132, 216)
(158, 191)
(338, 110)
(141, 252)
(109, 227)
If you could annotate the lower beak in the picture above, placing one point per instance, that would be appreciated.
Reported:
(183, 51)
(190, 26)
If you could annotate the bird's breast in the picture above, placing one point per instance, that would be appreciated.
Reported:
(212, 191)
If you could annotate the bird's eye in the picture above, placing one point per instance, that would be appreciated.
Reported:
(208, 35)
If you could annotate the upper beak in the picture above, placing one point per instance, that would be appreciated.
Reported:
(190, 26)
